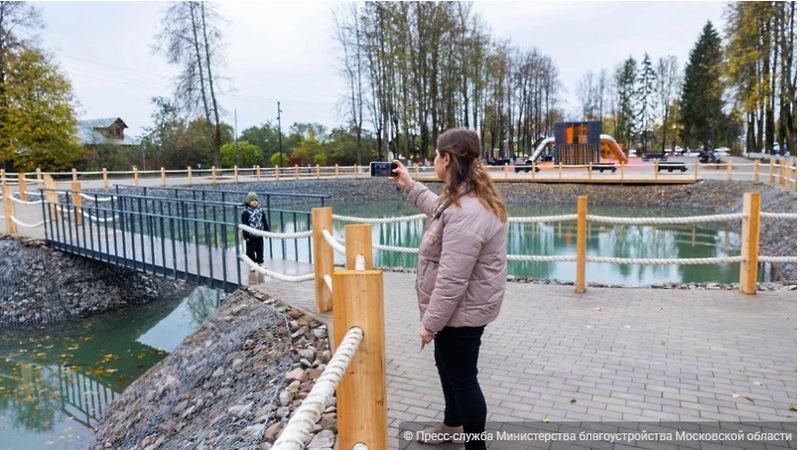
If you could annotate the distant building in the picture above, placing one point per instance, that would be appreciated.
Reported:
(104, 131)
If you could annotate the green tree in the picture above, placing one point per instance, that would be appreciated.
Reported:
(38, 120)
(275, 160)
(625, 79)
(249, 155)
(646, 97)
(265, 136)
(307, 149)
(321, 160)
(701, 101)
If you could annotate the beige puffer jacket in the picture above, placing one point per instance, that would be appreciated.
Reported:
(461, 272)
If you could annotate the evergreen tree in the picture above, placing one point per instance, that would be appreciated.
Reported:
(645, 94)
(625, 79)
(701, 101)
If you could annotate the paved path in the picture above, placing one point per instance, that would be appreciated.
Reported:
(622, 354)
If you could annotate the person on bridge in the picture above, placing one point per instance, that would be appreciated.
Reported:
(461, 274)
(254, 217)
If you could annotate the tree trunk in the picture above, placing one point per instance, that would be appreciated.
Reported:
(218, 135)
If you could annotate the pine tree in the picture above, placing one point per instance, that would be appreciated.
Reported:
(701, 100)
(625, 79)
(645, 95)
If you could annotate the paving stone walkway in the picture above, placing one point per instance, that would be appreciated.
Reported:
(623, 354)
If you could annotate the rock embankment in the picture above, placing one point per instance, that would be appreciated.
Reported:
(233, 383)
(40, 286)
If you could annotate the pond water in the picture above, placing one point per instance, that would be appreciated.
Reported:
(55, 383)
(667, 241)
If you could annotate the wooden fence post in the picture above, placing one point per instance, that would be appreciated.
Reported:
(296, 172)
(696, 170)
(39, 181)
(277, 173)
(105, 178)
(362, 405)
(505, 169)
(258, 173)
(590, 170)
(748, 269)
(416, 172)
(135, 176)
(2, 177)
(189, 174)
(77, 202)
(533, 171)
(622, 172)
(213, 175)
(163, 177)
(355, 171)
(236, 174)
(23, 187)
(730, 170)
(580, 240)
(318, 171)
(771, 172)
(322, 219)
(656, 170)
(8, 209)
(74, 174)
(755, 170)
(337, 171)
(358, 241)
(51, 196)
(560, 164)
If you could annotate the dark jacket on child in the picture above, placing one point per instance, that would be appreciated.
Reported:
(254, 218)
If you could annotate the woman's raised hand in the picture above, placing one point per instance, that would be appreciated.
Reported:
(402, 178)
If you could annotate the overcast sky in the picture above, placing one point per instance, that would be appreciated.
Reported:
(285, 50)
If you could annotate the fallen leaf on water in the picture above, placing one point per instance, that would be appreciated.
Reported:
(627, 326)
(598, 309)
(572, 400)
(792, 408)
(735, 395)
(49, 442)
(546, 420)
(757, 383)
(748, 398)
(663, 343)
(87, 338)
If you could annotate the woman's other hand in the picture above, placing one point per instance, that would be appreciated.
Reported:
(426, 336)
(402, 177)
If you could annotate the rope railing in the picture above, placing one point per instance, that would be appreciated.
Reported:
(777, 259)
(772, 215)
(664, 220)
(544, 219)
(27, 225)
(273, 235)
(540, 258)
(333, 243)
(23, 202)
(276, 275)
(398, 219)
(665, 261)
(97, 199)
(300, 427)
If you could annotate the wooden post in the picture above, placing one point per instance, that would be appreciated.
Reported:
(560, 164)
(51, 196)
(656, 170)
(74, 174)
(622, 172)
(213, 175)
(337, 171)
(2, 177)
(236, 174)
(258, 173)
(533, 171)
(136, 176)
(416, 172)
(730, 170)
(771, 172)
(748, 269)
(694, 235)
(189, 174)
(590, 170)
(580, 240)
(23, 187)
(358, 241)
(105, 178)
(163, 177)
(39, 181)
(296, 172)
(755, 170)
(362, 405)
(322, 219)
(355, 171)
(506, 170)
(318, 171)
(77, 202)
(277, 173)
(696, 170)
(8, 209)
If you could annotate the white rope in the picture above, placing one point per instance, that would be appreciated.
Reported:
(332, 242)
(276, 275)
(27, 225)
(664, 220)
(772, 215)
(544, 219)
(540, 258)
(298, 430)
(382, 220)
(23, 202)
(98, 219)
(777, 259)
(674, 261)
(328, 281)
(98, 199)
(391, 248)
(269, 234)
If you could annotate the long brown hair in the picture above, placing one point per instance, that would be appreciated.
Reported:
(464, 148)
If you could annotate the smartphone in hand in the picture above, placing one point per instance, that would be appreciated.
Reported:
(382, 169)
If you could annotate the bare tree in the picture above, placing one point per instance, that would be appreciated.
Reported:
(191, 40)
(667, 90)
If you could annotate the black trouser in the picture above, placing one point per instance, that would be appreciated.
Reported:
(456, 352)
(255, 249)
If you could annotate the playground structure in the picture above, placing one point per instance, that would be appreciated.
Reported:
(579, 143)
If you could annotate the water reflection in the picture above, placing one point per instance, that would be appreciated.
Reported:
(56, 382)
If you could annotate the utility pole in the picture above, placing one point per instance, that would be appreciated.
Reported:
(236, 136)
(280, 135)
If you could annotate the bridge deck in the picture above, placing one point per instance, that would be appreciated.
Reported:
(623, 354)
